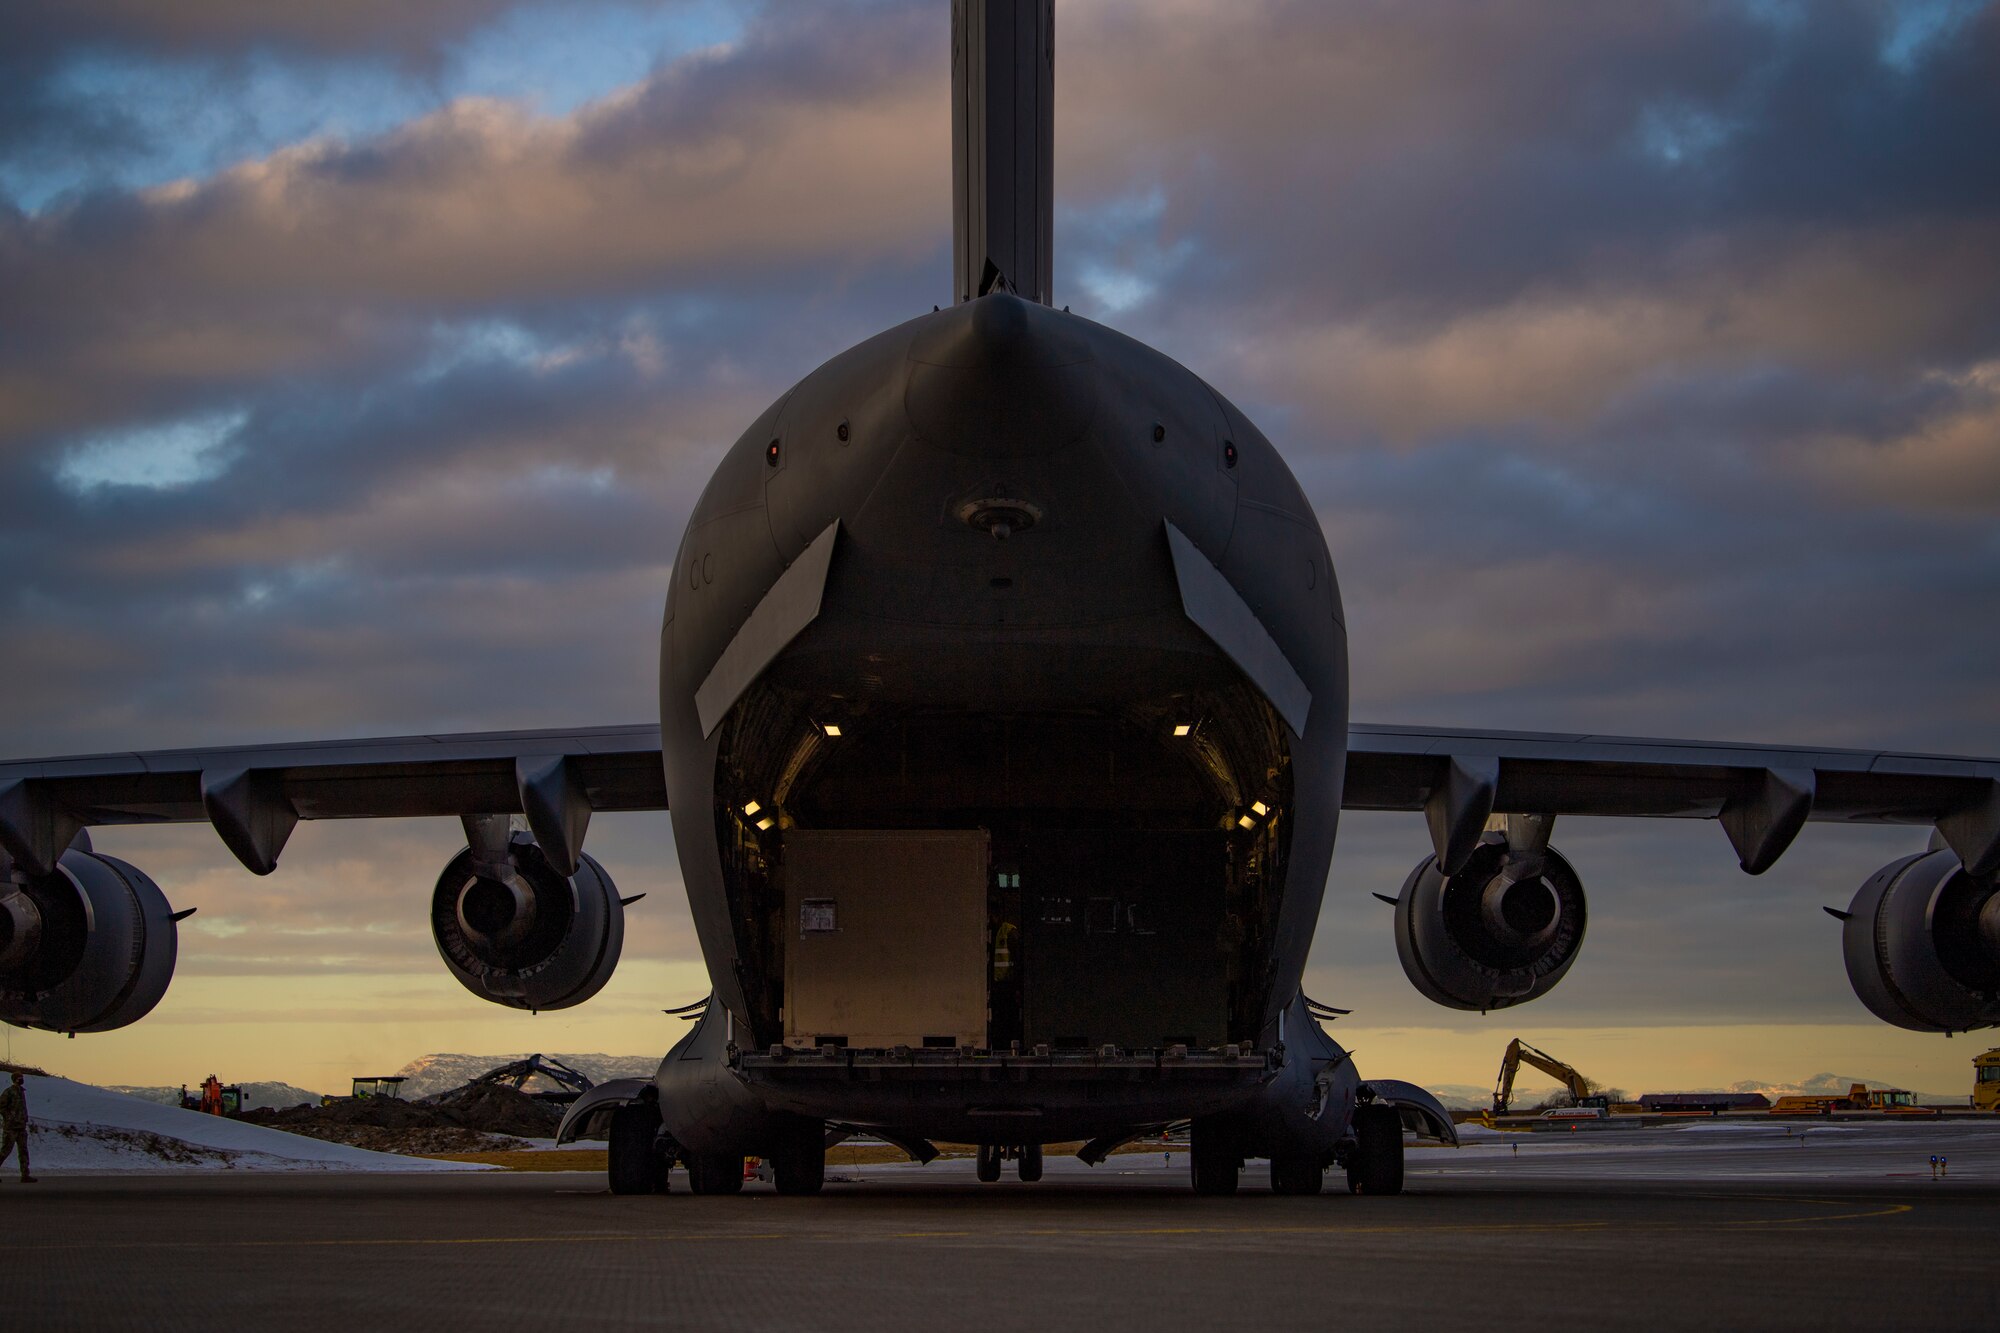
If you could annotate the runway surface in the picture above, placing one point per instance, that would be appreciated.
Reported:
(1749, 1229)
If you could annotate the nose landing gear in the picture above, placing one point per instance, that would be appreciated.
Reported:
(1027, 1161)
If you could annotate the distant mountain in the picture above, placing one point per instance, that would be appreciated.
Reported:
(1822, 1085)
(254, 1094)
(1461, 1096)
(444, 1071)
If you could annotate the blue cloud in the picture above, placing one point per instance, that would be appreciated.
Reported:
(160, 457)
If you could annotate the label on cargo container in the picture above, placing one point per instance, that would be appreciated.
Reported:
(818, 916)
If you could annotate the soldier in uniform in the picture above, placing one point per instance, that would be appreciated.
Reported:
(14, 1125)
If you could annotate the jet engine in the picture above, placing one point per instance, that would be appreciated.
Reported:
(1922, 940)
(88, 948)
(514, 931)
(1500, 932)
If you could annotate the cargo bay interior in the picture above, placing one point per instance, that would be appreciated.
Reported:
(1069, 880)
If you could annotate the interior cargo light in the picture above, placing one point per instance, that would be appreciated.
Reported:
(830, 728)
(764, 824)
(1244, 821)
(753, 808)
(1182, 728)
(1259, 809)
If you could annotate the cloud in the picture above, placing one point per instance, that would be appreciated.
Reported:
(1639, 362)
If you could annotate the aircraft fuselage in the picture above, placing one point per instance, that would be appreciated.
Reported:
(1003, 651)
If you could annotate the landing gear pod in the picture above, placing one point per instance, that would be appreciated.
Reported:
(515, 932)
(1480, 940)
(88, 948)
(1922, 941)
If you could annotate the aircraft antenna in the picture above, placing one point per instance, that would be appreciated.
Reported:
(1003, 147)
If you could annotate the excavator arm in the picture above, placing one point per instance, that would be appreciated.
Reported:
(1519, 1053)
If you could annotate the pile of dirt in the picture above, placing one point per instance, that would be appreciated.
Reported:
(415, 1142)
(475, 1118)
(501, 1110)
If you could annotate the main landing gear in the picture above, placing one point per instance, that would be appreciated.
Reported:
(1375, 1166)
(799, 1163)
(1027, 1161)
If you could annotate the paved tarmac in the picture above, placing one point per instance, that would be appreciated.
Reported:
(1636, 1229)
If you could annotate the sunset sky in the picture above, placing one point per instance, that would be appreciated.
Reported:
(360, 364)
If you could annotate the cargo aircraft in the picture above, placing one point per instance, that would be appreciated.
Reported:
(1004, 731)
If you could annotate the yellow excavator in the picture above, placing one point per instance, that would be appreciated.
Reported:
(1520, 1053)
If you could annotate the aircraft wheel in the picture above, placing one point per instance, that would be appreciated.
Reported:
(1212, 1163)
(989, 1162)
(1029, 1164)
(799, 1165)
(1376, 1166)
(715, 1172)
(630, 1163)
(1297, 1173)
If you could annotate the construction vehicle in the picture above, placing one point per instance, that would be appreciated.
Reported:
(384, 1085)
(1519, 1053)
(570, 1083)
(1858, 1097)
(1986, 1081)
(213, 1098)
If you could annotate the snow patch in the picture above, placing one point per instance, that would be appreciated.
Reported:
(75, 1127)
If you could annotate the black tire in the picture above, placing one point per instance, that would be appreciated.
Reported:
(632, 1160)
(1213, 1162)
(799, 1165)
(715, 1172)
(1297, 1173)
(1029, 1164)
(988, 1162)
(1376, 1166)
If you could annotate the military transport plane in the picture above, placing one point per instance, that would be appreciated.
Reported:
(1003, 726)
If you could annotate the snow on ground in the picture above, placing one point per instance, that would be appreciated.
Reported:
(74, 1127)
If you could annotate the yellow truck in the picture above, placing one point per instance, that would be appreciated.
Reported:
(1986, 1081)
(1860, 1097)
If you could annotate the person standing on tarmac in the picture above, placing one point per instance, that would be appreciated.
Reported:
(14, 1125)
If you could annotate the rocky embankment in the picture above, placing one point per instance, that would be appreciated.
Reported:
(479, 1118)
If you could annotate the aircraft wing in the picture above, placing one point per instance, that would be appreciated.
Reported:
(1762, 794)
(1459, 779)
(254, 795)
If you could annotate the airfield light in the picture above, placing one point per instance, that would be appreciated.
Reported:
(1244, 821)
(1182, 728)
(764, 824)
(752, 808)
(1259, 809)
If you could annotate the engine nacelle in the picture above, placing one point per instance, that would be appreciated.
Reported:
(1480, 940)
(522, 935)
(88, 948)
(1922, 941)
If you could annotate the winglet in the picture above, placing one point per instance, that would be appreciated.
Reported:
(1837, 914)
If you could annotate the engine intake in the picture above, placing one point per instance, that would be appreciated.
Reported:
(1489, 937)
(88, 948)
(1922, 942)
(519, 934)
